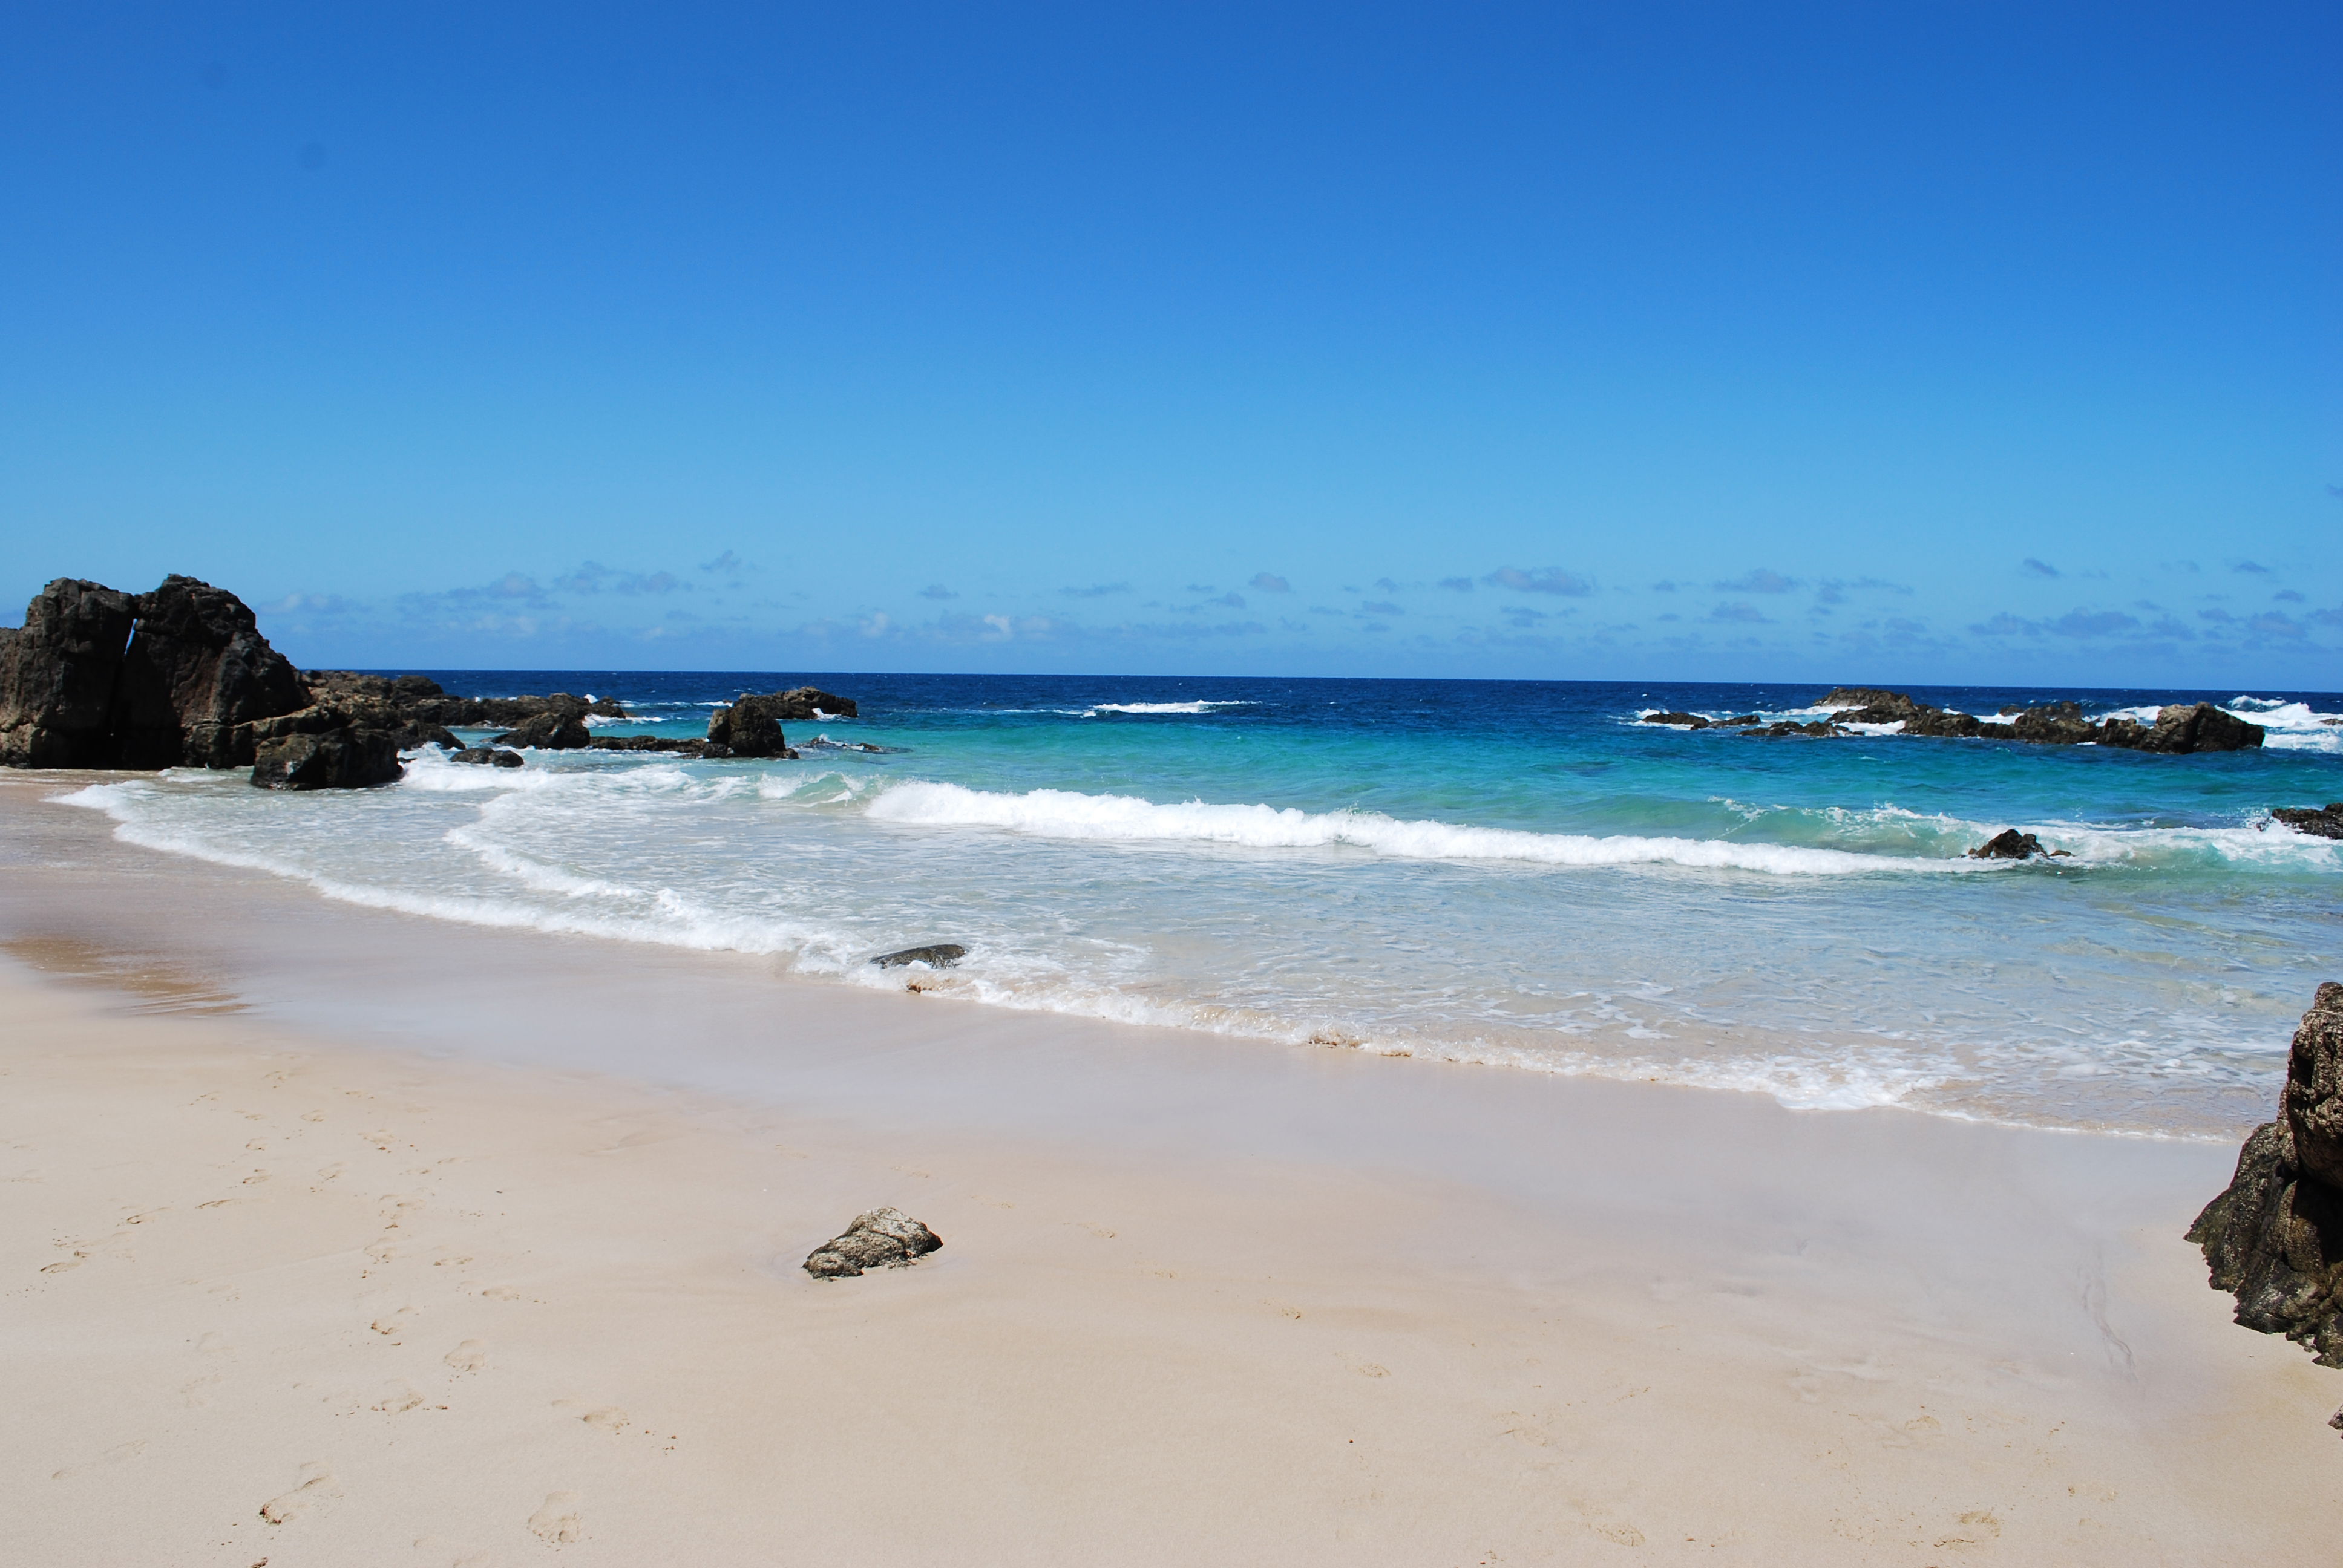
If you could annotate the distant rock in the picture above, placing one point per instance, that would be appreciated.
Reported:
(2324, 822)
(2274, 1239)
(2010, 844)
(556, 729)
(1790, 726)
(751, 727)
(58, 673)
(2181, 728)
(335, 758)
(800, 704)
(1686, 720)
(882, 1239)
(486, 755)
(937, 955)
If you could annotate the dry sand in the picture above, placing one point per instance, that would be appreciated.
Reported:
(332, 1236)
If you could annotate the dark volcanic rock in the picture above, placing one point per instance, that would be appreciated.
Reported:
(1688, 720)
(487, 755)
(1942, 721)
(2325, 822)
(1894, 703)
(2181, 728)
(1743, 719)
(196, 676)
(2054, 724)
(2010, 844)
(882, 1239)
(341, 757)
(58, 674)
(751, 727)
(1786, 726)
(2275, 1238)
(653, 743)
(802, 703)
(553, 730)
(939, 955)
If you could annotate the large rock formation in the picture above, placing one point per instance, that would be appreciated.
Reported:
(420, 700)
(196, 676)
(2275, 1238)
(803, 704)
(58, 673)
(882, 1239)
(751, 727)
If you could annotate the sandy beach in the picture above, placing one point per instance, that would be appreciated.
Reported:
(335, 1235)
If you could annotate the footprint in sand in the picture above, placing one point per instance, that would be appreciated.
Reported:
(111, 1456)
(556, 1523)
(255, 1179)
(197, 1391)
(609, 1419)
(398, 1395)
(501, 1293)
(392, 1322)
(64, 1265)
(331, 1172)
(317, 1484)
(468, 1357)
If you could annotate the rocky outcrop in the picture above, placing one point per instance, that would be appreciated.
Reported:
(58, 675)
(937, 955)
(751, 727)
(419, 700)
(2179, 729)
(2322, 822)
(1682, 721)
(2275, 1238)
(487, 756)
(882, 1239)
(555, 729)
(339, 757)
(800, 704)
(2010, 844)
(1788, 726)
(196, 676)
(684, 747)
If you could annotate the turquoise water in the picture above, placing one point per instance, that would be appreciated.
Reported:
(1512, 873)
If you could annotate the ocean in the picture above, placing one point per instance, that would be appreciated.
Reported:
(1516, 874)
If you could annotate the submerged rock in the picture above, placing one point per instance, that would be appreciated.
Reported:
(2321, 822)
(882, 1239)
(2010, 844)
(939, 955)
(486, 755)
(2274, 1239)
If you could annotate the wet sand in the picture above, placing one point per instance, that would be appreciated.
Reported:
(337, 1236)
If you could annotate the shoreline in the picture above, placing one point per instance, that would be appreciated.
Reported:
(1344, 1310)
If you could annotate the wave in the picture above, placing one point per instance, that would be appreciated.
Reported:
(1160, 708)
(1067, 814)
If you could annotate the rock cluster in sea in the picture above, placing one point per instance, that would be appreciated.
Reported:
(882, 1239)
(2320, 821)
(2179, 727)
(2275, 1238)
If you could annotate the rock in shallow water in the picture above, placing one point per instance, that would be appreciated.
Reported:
(937, 955)
(2010, 844)
(882, 1239)
(2275, 1238)
(339, 758)
(2322, 822)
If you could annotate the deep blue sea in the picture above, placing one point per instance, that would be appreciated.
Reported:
(1512, 873)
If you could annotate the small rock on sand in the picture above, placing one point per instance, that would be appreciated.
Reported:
(882, 1239)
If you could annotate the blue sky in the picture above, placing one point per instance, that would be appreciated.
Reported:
(1899, 343)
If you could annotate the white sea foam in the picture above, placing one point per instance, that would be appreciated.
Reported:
(1067, 814)
(1160, 707)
